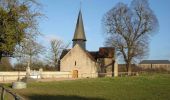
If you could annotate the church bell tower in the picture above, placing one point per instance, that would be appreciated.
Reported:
(79, 34)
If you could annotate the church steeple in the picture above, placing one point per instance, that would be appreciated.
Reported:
(79, 34)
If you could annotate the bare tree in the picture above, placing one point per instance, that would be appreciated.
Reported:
(56, 47)
(32, 49)
(27, 50)
(129, 29)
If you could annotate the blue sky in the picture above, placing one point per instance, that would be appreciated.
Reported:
(62, 17)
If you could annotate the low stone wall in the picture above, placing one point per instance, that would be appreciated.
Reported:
(11, 76)
(15, 75)
(49, 74)
(88, 75)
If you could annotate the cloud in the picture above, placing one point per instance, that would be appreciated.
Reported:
(49, 37)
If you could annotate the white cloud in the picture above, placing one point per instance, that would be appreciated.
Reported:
(49, 37)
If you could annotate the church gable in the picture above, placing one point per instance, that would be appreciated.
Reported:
(78, 59)
(77, 51)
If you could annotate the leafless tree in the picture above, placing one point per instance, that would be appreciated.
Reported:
(129, 28)
(56, 47)
(32, 49)
(27, 50)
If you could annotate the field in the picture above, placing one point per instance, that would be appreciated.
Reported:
(145, 87)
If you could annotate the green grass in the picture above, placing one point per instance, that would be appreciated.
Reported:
(145, 87)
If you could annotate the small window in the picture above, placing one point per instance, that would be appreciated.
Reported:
(75, 63)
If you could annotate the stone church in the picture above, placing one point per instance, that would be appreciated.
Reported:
(83, 63)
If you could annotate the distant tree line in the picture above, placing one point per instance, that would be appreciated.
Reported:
(34, 66)
(5, 65)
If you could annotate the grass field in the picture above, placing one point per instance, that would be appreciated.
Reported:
(145, 87)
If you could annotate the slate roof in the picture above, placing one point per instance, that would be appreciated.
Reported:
(155, 62)
(93, 54)
(104, 52)
(64, 52)
(79, 33)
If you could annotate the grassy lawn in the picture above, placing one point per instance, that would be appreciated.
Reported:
(145, 87)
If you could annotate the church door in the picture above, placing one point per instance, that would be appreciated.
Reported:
(75, 74)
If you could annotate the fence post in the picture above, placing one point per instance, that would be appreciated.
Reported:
(3, 93)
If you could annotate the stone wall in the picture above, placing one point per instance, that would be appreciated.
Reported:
(106, 66)
(48, 74)
(13, 76)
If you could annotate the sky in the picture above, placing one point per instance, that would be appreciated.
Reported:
(61, 17)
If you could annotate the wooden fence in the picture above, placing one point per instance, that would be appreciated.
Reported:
(13, 96)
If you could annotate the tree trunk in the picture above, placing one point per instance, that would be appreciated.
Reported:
(30, 61)
(129, 68)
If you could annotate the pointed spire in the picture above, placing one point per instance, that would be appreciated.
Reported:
(79, 33)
